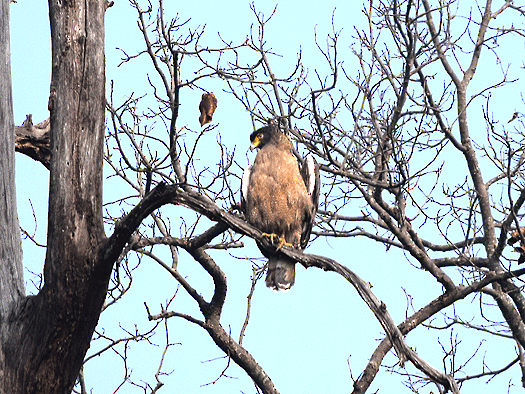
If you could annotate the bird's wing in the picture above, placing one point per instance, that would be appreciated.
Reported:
(312, 181)
(515, 236)
(244, 187)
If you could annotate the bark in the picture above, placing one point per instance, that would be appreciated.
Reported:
(33, 141)
(11, 270)
(46, 336)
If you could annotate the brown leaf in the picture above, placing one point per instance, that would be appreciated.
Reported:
(207, 107)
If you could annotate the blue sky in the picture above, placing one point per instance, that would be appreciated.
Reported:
(304, 339)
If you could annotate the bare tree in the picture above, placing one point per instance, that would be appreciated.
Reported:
(392, 137)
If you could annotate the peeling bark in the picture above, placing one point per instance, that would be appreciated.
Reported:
(33, 141)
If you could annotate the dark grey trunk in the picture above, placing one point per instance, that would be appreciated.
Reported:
(45, 337)
(11, 270)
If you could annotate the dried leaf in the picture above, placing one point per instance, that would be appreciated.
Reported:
(207, 108)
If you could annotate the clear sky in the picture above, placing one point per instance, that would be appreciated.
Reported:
(305, 339)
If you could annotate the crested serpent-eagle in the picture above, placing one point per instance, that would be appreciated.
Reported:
(515, 237)
(280, 198)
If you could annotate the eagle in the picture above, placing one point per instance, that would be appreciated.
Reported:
(515, 237)
(280, 198)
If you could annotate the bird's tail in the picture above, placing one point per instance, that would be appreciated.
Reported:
(281, 273)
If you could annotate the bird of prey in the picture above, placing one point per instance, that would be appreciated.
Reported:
(207, 107)
(515, 237)
(280, 198)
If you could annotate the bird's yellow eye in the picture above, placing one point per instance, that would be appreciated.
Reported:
(256, 141)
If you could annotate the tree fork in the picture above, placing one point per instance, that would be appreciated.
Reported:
(45, 337)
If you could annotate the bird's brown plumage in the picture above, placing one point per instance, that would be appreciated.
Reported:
(515, 237)
(277, 200)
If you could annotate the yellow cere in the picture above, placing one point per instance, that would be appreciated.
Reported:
(256, 141)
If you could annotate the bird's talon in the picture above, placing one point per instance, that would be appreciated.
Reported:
(282, 242)
(271, 236)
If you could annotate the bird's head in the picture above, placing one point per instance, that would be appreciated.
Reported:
(261, 137)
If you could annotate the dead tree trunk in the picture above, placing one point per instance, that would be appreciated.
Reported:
(11, 270)
(44, 338)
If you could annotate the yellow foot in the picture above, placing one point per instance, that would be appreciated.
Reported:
(271, 236)
(282, 242)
